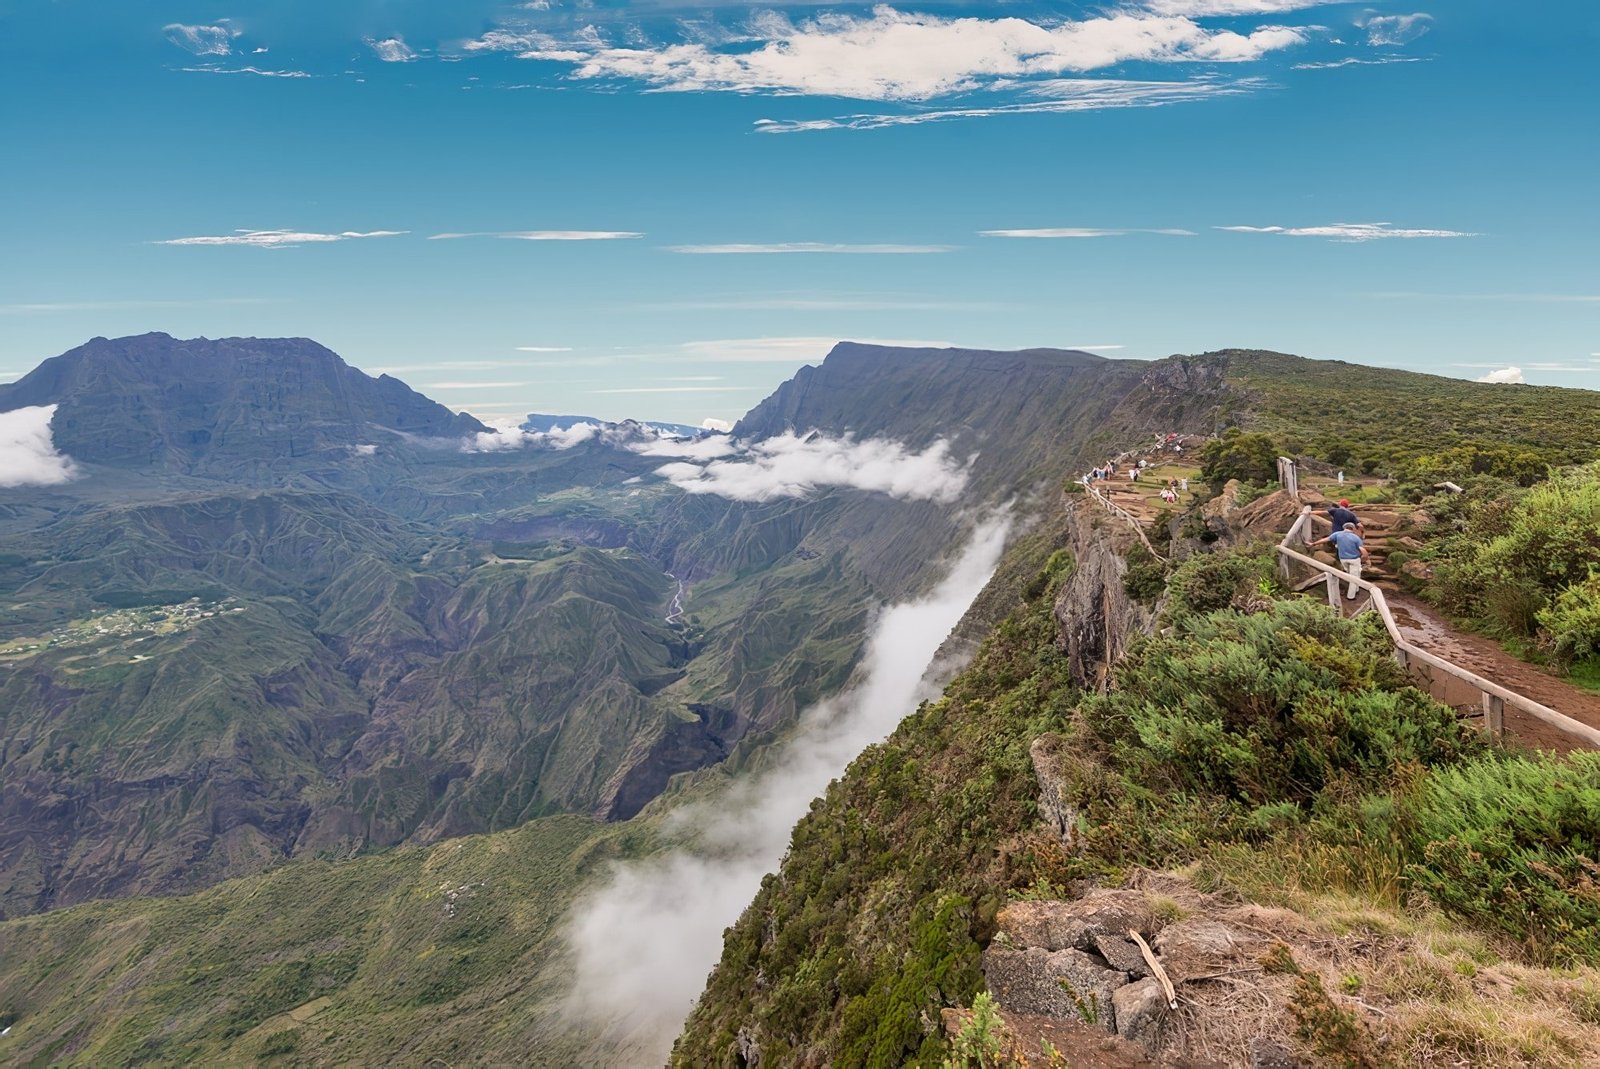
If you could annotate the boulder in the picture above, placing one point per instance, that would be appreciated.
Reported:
(1074, 925)
(1140, 1009)
(1197, 946)
(1417, 569)
(1270, 1054)
(1054, 983)
(1122, 954)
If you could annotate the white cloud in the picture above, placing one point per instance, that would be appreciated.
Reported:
(28, 455)
(1508, 375)
(544, 348)
(1053, 96)
(782, 247)
(474, 385)
(702, 449)
(364, 450)
(894, 55)
(790, 465)
(822, 303)
(506, 434)
(111, 306)
(1352, 61)
(646, 941)
(1083, 232)
(391, 49)
(247, 70)
(1397, 29)
(680, 389)
(1209, 8)
(1351, 232)
(545, 235)
(278, 239)
(214, 40)
(782, 350)
(711, 423)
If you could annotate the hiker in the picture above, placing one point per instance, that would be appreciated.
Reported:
(1352, 551)
(1342, 517)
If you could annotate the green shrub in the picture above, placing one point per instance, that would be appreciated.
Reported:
(1573, 620)
(1511, 844)
(1146, 577)
(1249, 456)
(1206, 582)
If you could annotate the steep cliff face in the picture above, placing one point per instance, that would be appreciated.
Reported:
(1096, 615)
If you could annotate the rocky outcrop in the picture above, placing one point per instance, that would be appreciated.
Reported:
(1096, 615)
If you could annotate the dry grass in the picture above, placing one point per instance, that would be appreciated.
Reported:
(1424, 990)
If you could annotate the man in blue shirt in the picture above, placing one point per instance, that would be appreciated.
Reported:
(1352, 550)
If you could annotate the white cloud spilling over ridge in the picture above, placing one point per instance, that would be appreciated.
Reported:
(646, 942)
(895, 55)
(201, 40)
(278, 239)
(505, 434)
(711, 423)
(1506, 375)
(28, 455)
(1350, 232)
(790, 465)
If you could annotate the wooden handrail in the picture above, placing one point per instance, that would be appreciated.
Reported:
(1544, 713)
(1132, 520)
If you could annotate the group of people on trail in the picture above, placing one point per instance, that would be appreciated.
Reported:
(1347, 542)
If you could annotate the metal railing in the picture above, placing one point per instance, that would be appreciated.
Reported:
(1494, 698)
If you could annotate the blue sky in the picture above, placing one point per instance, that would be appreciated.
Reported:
(667, 207)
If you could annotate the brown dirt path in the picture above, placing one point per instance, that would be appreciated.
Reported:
(1423, 626)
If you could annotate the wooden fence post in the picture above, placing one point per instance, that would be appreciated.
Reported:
(1494, 715)
(1333, 593)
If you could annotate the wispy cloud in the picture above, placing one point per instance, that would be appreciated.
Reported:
(214, 40)
(544, 348)
(278, 239)
(1397, 29)
(544, 235)
(43, 308)
(1552, 366)
(1530, 298)
(1353, 61)
(1350, 232)
(474, 385)
(248, 70)
(391, 49)
(824, 303)
(781, 350)
(1084, 232)
(1209, 8)
(683, 389)
(1054, 96)
(783, 247)
(894, 55)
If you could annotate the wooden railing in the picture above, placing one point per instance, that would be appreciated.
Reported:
(1419, 662)
(1117, 510)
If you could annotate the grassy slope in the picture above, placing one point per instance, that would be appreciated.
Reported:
(1401, 418)
(444, 952)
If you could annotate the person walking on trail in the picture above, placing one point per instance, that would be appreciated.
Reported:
(1342, 517)
(1352, 551)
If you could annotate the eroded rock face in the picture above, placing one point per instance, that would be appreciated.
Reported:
(1096, 616)
(1048, 753)
(1055, 983)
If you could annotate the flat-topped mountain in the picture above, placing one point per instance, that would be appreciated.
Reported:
(203, 406)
